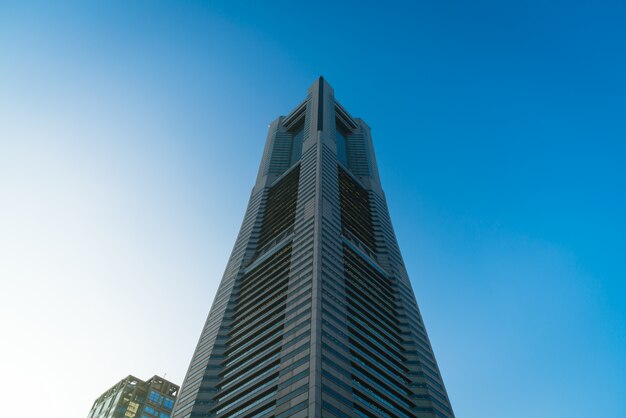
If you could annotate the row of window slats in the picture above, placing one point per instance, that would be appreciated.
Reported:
(281, 157)
(372, 325)
(357, 155)
(362, 283)
(260, 308)
(374, 331)
(356, 217)
(280, 208)
(199, 383)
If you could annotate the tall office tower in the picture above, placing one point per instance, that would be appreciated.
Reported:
(315, 315)
(134, 398)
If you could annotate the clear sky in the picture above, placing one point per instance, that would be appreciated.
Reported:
(130, 137)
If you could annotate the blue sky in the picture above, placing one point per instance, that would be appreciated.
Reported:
(130, 137)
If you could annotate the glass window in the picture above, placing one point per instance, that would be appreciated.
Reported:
(168, 403)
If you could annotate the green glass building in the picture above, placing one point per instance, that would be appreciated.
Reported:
(134, 398)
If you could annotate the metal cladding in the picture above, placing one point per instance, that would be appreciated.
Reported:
(315, 315)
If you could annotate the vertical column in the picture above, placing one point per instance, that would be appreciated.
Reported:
(322, 113)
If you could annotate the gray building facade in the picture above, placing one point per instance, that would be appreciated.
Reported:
(315, 315)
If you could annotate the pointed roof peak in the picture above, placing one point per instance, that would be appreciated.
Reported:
(320, 80)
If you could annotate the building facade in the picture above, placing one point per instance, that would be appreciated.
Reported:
(134, 398)
(315, 315)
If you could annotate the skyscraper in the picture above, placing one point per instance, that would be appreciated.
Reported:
(134, 398)
(315, 315)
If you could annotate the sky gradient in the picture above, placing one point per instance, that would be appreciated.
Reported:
(130, 138)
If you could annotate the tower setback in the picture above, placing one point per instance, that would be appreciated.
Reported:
(315, 315)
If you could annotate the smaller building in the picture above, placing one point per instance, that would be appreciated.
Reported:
(134, 398)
